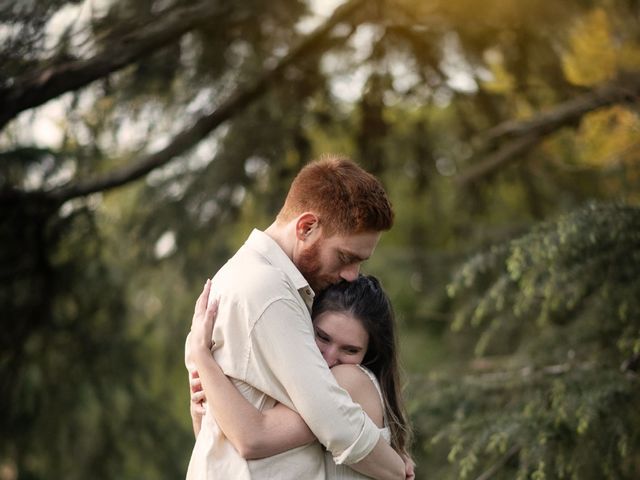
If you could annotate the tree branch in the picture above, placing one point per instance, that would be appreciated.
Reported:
(568, 112)
(509, 152)
(486, 475)
(36, 88)
(205, 124)
(528, 133)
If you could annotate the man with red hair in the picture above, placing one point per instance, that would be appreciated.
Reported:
(263, 338)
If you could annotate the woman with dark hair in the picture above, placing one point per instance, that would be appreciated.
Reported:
(355, 332)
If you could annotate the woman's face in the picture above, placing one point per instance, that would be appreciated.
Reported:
(341, 338)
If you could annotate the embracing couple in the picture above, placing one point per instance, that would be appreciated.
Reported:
(292, 353)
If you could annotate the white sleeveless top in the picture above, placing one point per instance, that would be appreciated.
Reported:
(343, 472)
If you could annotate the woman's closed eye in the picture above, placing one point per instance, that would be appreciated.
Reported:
(322, 337)
(352, 351)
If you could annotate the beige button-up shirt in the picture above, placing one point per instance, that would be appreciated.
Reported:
(264, 341)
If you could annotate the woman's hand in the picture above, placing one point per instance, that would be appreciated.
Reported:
(204, 318)
(200, 343)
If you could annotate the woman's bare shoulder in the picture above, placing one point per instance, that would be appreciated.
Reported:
(362, 390)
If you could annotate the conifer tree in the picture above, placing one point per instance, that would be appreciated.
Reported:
(555, 315)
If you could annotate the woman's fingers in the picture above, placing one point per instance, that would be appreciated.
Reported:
(202, 303)
(204, 318)
(212, 310)
(203, 299)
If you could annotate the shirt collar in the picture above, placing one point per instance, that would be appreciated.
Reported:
(271, 251)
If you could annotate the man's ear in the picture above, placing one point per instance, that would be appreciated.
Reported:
(306, 225)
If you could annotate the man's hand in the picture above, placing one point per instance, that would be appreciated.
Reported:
(197, 394)
(196, 404)
(409, 467)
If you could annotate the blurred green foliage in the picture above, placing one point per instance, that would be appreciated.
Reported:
(555, 316)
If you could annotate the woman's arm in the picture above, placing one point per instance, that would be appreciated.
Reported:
(253, 433)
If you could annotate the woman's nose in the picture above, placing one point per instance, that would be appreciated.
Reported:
(330, 355)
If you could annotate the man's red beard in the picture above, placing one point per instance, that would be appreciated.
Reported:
(310, 266)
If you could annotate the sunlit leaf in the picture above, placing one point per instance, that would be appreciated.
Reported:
(591, 58)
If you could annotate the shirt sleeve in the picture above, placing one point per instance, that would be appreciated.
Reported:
(285, 358)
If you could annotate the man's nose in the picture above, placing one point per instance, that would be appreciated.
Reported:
(350, 273)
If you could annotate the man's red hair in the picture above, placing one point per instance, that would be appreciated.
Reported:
(346, 198)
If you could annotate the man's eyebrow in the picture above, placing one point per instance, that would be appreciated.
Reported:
(353, 256)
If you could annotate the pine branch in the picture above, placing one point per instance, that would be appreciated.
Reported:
(528, 133)
(35, 88)
(189, 137)
(491, 471)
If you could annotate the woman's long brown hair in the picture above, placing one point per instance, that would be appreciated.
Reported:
(365, 300)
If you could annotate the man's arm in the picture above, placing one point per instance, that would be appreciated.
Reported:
(258, 434)
(383, 462)
(283, 345)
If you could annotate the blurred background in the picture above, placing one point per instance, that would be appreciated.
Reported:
(142, 140)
